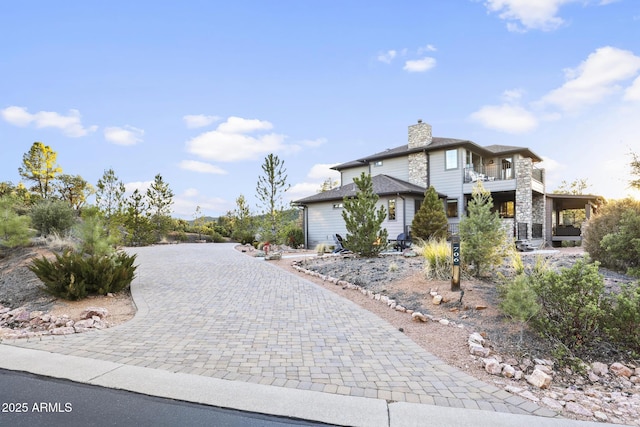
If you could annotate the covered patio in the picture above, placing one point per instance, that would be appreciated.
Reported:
(566, 215)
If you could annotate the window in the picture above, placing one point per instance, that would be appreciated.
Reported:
(417, 204)
(392, 209)
(337, 206)
(377, 163)
(451, 159)
(507, 209)
(452, 208)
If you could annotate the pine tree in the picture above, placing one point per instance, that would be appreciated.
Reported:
(430, 222)
(271, 187)
(483, 241)
(39, 165)
(160, 200)
(365, 234)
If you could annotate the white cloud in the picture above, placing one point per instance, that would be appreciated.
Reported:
(186, 203)
(523, 15)
(506, 118)
(594, 79)
(70, 125)
(314, 180)
(240, 125)
(419, 65)
(199, 120)
(322, 171)
(141, 186)
(127, 135)
(387, 56)
(633, 92)
(229, 142)
(202, 167)
(427, 48)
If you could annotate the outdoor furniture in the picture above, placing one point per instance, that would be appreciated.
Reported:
(402, 242)
(339, 246)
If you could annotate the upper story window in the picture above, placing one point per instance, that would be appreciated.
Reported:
(451, 159)
(377, 163)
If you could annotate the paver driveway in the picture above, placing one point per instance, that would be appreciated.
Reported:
(209, 310)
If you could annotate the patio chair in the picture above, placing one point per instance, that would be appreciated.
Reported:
(339, 244)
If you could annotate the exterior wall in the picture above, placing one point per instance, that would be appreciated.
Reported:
(448, 182)
(397, 167)
(347, 175)
(538, 212)
(323, 221)
(524, 195)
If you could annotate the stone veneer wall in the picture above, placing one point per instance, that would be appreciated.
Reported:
(419, 136)
(418, 168)
(539, 209)
(524, 196)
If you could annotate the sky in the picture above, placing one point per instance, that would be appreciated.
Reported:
(202, 91)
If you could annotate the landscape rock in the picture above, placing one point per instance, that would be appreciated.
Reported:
(477, 338)
(418, 317)
(620, 370)
(89, 312)
(539, 379)
(599, 368)
(437, 299)
(508, 371)
(576, 408)
(492, 366)
(478, 350)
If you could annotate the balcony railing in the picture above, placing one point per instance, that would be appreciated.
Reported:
(497, 173)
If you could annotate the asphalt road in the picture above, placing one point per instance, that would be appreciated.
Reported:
(31, 400)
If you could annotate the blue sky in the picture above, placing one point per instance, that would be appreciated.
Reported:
(202, 91)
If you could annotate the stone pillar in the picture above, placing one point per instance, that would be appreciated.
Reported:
(524, 194)
(419, 136)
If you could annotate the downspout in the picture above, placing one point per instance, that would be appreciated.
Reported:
(428, 168)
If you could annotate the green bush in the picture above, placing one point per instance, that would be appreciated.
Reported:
(243, 237)
(292, 235)
(430, 222)
(623, 321)
(73, 276)
(14, 228)
(53, 216)
(572, 304)
(612, 237)
(519, 300)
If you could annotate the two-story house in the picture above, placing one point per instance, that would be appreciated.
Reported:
(401, 175)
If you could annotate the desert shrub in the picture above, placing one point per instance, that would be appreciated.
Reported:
(292, 235)
(73, 276)
(437, 258)
(51, 216)
(243, 237)
(93, 236)
(622, 247)
(619, 220)
(215, 237)
(572, 304)
(14, 228)
(519, 300)
(623, 321)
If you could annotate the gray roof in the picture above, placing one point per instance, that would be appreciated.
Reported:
(383, 185)
(438, 143)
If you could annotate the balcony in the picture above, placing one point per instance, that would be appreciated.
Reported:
(496, 173)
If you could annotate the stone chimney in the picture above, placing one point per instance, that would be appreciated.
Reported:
(419, 135)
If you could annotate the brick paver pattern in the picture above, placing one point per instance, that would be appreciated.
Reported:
(208, 310)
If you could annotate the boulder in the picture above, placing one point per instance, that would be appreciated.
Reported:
(508, 371)
(620, 370)
(492, 366)
(476, 338)
(539, 379)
